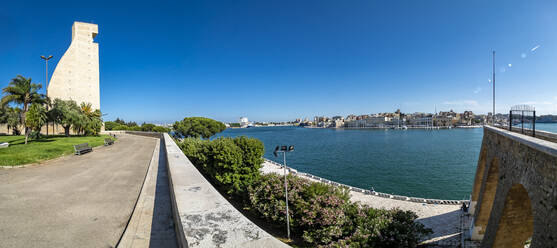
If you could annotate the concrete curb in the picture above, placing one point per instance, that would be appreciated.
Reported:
(127, 237)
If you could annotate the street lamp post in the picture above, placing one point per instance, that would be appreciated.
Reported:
(493, 114)
(46, 82)
(284, 150)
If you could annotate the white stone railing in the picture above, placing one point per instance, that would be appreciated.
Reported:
(202, 216)
(537, 142)
(540, 134)
(370, 192)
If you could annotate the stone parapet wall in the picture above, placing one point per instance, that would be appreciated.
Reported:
(202, 216)
(515, 191)
(540, 134)
(52, 129)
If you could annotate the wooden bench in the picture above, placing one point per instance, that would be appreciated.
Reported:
(108, 141)
(82, 148)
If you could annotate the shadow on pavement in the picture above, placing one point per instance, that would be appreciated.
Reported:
(162, 228)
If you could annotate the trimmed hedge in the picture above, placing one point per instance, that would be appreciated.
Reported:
(232, 163)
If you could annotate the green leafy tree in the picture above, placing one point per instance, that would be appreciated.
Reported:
(122, 127)
(65, 113)
(13, 120)
(233, 163)
(160, 129)
(48, 103)
(235, 124)
(131, 124)
(3, 114)
(22, 91)
(109, 125)
(198, 127)
(147, 127)
(11, 117)
(119, 121)
(253, 151)
(35, 119)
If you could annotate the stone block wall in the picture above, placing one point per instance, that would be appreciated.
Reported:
(515, 191)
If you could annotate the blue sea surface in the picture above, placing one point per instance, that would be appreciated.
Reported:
(550, 127)
(415, 162)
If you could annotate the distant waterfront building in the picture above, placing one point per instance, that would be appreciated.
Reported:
(76, 76)
(422, 122)
(244, 122)
(370, 121)
(398, 119)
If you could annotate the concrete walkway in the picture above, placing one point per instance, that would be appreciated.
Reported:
(75, 201)
(152, 224)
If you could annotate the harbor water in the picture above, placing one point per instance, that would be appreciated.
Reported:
(437, 164)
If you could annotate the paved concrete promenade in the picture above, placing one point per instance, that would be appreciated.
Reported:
(152, 223)
(74, 201)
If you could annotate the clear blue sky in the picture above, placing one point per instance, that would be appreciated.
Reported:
(279, 60)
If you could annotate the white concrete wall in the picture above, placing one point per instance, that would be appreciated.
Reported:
(76, 76)
(203, 217)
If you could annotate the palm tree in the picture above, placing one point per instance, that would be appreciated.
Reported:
(22, 92)
(91, 119)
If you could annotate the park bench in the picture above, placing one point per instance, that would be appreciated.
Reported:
(108, 141)
(82, 148)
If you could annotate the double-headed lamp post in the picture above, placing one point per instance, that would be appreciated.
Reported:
(46, 81)
(284, 150)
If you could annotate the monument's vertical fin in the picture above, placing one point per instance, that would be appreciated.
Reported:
(76, 76)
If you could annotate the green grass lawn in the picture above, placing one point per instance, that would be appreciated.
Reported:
(43, 149)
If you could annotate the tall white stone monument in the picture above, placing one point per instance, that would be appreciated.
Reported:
(76, 76)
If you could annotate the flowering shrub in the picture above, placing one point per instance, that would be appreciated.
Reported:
(326, 217)
(316, 210)
(369, 227)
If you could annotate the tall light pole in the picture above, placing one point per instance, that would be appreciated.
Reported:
(493, 114)
(46, 82)
(284, 150)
